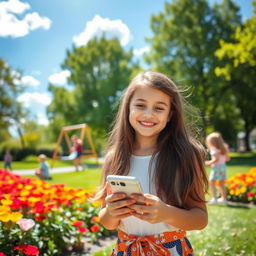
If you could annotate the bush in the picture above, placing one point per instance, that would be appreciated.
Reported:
(43, 218)
(20, 154)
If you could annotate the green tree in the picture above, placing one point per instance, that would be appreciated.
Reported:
(185, 37)
(100, 71)
(239, 71)
(10, 109)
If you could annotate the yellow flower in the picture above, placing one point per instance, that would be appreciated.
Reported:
(15, 216)
(5, 217)
(34, 199)
(28, 187)
(243, 190)
(4, 209)
(237, 192)
(232, 192)
(24, 193)
(6, 202)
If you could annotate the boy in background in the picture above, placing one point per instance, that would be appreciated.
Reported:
(43, 171)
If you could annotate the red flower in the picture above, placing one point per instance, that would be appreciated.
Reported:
(40, 218)
(250, 194)
(95, 228)
(77, 223)
(27, 249)
(2, 254)
(82, 230)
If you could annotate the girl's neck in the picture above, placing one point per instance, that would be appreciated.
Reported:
(144, 148)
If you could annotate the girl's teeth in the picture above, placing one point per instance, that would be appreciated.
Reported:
(147, 124)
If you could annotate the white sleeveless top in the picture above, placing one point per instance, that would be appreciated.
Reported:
(133, 225)
(221, 157)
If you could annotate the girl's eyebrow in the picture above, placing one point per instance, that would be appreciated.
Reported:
(158, 102)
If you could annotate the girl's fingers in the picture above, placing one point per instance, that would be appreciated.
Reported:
(115, 197)
(108, 188)
(121, 203)
(145, 199)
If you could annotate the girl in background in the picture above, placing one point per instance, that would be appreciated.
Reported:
(219, 156)
(149, 140)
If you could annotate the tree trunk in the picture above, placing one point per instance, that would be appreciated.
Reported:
(247, 140)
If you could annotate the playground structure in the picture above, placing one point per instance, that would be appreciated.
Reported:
(85, 133)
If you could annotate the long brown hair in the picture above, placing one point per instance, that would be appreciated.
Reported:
(179, 162)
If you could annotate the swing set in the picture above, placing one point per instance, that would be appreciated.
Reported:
(64, 134)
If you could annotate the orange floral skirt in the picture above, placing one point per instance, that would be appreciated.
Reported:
(167, 243)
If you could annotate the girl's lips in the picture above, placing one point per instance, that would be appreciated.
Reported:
(147, 124)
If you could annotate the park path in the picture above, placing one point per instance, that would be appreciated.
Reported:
(53, 170)
(62, 169)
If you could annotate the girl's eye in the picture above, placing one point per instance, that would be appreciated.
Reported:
(159, 109)
(139, 105)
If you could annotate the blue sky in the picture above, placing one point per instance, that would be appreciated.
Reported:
(35, 34)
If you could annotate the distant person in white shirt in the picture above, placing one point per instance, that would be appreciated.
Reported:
(43, 171)
(219, 156)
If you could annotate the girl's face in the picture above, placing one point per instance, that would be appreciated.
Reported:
(149, 111)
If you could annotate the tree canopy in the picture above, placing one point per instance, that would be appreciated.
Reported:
(185, 38)
(100, 71)
(239, 71)
(10, 87)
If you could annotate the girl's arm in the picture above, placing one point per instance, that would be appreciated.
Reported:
(154, 211)
(214, 159)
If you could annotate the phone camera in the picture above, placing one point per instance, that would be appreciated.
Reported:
(122, 184)
(113, 183)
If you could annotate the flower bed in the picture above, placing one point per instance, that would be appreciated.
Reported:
(37, 218)
(242, 187)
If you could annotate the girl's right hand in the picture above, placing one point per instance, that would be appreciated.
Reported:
(117, 205)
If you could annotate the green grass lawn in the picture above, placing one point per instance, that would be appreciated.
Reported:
(87, 179)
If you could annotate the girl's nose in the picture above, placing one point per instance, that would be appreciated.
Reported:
(148, 112)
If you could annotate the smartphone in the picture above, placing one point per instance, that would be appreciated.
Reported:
(126, 184)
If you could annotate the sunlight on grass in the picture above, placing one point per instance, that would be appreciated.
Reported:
(230, 231)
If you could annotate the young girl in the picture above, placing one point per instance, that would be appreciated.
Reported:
(149, 140)
(219, 156)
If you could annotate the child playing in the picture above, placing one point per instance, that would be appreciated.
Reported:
(43, 171)
(8, 160)
(149, 140)
(219, 156)
(78, 149)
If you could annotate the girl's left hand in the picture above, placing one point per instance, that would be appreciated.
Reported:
(149, 208)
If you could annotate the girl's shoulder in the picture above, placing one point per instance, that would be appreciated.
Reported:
(214, 151)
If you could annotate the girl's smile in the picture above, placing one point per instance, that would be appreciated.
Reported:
(147, 124)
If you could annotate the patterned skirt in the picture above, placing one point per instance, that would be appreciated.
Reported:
(167, 243)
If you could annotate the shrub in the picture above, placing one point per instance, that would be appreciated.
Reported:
(20, 154)
(57, 216)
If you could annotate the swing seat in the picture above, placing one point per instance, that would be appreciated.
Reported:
(72, 156)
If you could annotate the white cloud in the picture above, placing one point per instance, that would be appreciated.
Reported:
(36, 21)
(33, 99)
(14, 6)
(141, 51)
(42, 119)
(11, 25)
(30, 81)
(99, 26)
(59, 78)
